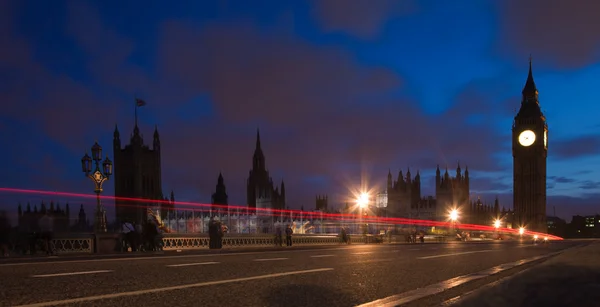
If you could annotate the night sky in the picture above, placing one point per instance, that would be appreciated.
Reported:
(342, 91)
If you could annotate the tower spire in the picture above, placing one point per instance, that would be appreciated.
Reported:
(257, 138)
(530, 89)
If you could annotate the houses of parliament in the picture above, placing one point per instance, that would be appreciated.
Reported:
(402, 198)
(138, 174)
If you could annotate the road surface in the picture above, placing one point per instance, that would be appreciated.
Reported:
(331, 276)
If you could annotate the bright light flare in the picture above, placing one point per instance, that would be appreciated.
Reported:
(454, 215)
(521, 231)
(535, 237)
(497, 223)
(363, 200)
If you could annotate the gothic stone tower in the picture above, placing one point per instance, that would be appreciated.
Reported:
(451, 192)
(530, 150)
(220, 196)
(137, 175)
(321, 203)
(261, 192)
(404, 193)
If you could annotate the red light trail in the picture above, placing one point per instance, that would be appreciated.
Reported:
(280, 212)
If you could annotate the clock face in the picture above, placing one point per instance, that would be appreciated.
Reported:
(545, 138)
(526, 138)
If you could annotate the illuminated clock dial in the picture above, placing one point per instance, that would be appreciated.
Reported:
(526, 138)
(545, 138)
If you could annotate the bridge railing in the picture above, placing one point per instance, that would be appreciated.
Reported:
(201, 241)
(88, 243)
(74, 243)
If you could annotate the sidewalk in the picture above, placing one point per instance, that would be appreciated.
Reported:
(226, 249)
(569, 279)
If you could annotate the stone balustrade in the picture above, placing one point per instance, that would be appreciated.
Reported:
(89, 243)
(74, 243)
(192, 242)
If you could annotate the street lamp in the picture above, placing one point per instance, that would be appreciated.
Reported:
(497, 224)
(98, 176)
(521, 232)
(363, 202)
(454, 217)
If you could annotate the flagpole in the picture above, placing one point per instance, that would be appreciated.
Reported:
(135, 108)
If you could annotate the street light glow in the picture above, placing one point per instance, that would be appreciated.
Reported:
(497, 224)
(521, 231)
(363, 200)
(454, 215)
(535, 237)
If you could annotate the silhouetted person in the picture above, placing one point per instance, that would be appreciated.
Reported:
(128, 233)
(215, 233)
(288, 235)
(150, 234)
(278, 237)
(220, 234)
(4, 234)
(344, 236)
(47, 232)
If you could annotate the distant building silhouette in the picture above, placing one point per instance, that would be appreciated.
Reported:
(558, 226)
(168, 208)
(402, 198)
(261, 192)
(452, 192)
(29, 219)
(530, 151)
(321, 203)
(220, 196)
(137, 174)
(403, 194)
(83, 224)
(584, 226)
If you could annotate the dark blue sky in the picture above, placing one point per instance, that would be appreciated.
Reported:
(341, 90)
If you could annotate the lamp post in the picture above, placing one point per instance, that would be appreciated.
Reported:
(362, 202)
(454, 217)
(521, 232)
(98, 176)
(497, 225)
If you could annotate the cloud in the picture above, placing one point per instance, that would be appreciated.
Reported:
(361, 18)
(35, 95)
(560, 179)
(486, 185)
(576, 147)
(590, 185)
(556, 31)
(320, 114)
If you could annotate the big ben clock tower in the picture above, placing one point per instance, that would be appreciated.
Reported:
(530, 150)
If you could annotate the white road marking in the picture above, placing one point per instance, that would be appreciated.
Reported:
(191, 264)
(270, 259)
(319, 256)
(180, 287)
(456, 254)
(172, 257)
(362, 253)
(71, 273)
(413, 295)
